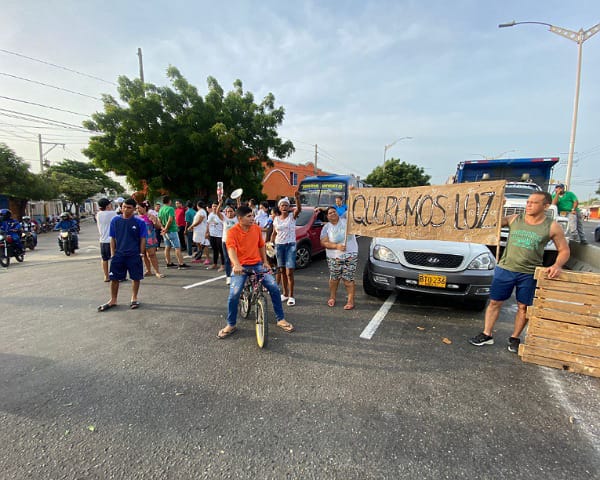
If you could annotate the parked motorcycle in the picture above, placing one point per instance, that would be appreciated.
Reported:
(8, 249)
(28, 240)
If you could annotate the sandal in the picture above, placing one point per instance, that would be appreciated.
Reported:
(160, 275)
(291, 302)
(285, 326)
(348, 306)
(226, 333)
(331, 302)
(147, 274)
(134, 304)
(105, 306)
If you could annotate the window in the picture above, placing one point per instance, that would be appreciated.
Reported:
(293, 178)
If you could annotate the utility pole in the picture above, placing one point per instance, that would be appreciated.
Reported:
(41, 149)
(141, 62)
(316, 155)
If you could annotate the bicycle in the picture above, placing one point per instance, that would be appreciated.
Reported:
(253, 296)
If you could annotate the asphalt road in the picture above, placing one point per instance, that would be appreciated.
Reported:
(153, 394)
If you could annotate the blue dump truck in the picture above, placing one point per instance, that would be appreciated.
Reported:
(523, 176)
(527, 170)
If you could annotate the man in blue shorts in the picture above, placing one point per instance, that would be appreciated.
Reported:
(524, 251)
(127, 247)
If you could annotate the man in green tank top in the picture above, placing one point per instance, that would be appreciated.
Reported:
(524, 251)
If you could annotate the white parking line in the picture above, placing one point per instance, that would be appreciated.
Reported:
(370, 329)
(205, 282)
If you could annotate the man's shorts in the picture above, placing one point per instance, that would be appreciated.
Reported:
(105, 251)
(172, 240)
(505, 281)
(120, 265)
(286, 255)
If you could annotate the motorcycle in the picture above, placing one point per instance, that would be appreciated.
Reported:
(67, 242)
(28, 240)
(8, 249)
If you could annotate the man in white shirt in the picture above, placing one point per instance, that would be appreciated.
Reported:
(103, 218)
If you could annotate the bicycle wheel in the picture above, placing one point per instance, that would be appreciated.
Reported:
(245, 301)
(4, 260)
(262, 326)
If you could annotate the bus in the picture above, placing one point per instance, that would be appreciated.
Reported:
(321, 190)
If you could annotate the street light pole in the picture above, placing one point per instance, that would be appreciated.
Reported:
(387, 147)
(578, 37)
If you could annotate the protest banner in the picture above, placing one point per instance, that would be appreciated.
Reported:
(465, 212)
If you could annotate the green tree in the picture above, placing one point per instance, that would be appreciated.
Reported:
(397, 174)
(18, 183)
(174, 140)
(77, 181)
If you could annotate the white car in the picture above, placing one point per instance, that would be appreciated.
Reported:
(455, 269)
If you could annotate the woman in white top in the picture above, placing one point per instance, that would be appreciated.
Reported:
(198, 227)
(342, 257)
(229, 220)
(284, 237)
(215, 231)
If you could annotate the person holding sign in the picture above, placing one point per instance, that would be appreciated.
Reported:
(342, 257)
(529, 233)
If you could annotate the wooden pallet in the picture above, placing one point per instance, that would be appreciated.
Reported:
(564, 323)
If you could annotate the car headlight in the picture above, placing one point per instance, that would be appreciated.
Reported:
(384, 254)
(485, 261)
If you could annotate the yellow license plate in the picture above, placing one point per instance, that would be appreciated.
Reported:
(426, 280)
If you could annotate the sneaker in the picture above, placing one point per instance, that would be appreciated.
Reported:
(283, 297)
(206, 262)
(171, 265)
(182, 266)
(228, 281)
(513, 344)
(481, 339)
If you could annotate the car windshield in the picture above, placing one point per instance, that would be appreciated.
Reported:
(304, 217)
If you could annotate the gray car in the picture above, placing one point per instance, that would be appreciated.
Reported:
(434, 267)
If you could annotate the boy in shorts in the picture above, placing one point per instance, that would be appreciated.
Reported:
(127, 247)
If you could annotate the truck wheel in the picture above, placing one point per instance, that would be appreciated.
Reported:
(549, 258)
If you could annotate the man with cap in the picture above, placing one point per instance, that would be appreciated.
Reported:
(103, 219)
(567, 204)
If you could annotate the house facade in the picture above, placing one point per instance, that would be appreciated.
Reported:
(283, 178)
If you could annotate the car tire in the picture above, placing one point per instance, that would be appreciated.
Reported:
(597, 235)
(368, 285)
(303, 255)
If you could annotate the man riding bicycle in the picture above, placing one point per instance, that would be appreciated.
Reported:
(246, 249)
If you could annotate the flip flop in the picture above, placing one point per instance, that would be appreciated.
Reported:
(105, 306)
(226, 333)
(134, 304)
(160, 275)
(286, 327)
(348, 306)
(331, 302)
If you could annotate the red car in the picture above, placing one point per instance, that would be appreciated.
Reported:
(308, 235)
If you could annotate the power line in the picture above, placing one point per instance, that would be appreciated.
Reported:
(49, 121)
(48, 85)
(44, 106)
(58, 66)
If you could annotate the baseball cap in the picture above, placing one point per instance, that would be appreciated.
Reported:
(283, 200)
(120, 200)
(560, 185)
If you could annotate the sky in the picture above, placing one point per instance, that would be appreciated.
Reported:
(352, 76)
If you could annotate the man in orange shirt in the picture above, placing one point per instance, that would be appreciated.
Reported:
(246, 249)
